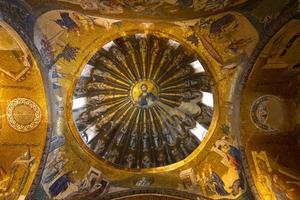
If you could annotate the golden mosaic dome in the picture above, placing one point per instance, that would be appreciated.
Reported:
(139, 102)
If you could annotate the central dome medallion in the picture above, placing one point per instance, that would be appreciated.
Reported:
(144, 93)
(143, 101)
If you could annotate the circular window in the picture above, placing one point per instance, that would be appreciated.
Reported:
(143, 101)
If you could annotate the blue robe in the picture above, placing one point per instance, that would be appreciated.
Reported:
(234, 155)
(143, 100)
(66, 21)
(59, 186)
(217, 182)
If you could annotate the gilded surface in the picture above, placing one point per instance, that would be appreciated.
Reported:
(199, 170)
(145, 9)
(15, 60)
(270, 139)
(224, 36)
(143, 99)
(138, 90)
(23, 116)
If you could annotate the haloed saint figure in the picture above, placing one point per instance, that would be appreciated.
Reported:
(146, 98)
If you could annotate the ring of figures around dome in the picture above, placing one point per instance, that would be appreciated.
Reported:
(143, 101)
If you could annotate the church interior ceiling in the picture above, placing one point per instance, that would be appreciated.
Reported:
(142, 99)
(24, 116)
(152, 9)
(172, 99)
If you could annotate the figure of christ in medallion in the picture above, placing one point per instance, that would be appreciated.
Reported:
(146, 98)
(144, 93)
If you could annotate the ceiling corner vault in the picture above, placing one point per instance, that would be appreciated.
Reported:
(160, 99)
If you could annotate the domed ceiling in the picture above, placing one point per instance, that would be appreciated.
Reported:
(141, 98)
(171, 99)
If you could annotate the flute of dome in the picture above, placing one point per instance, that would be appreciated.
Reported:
(121, 115)
(163, 62)
(137, 56)
(97, 75)
(120, 60)
(111, 106)
(170, 102)
(111, 113)
(107, 98)
(155, 53)
(95, 86)
(107, 62)
(144, 56)
(125, 46)
(123, 128)
(165, 111)
(171, 95)
(177, 87)
(177, 75)
(175, 62)
(113, 83)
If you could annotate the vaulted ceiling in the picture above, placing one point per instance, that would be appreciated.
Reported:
(173, 99)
